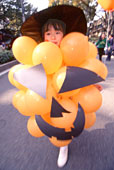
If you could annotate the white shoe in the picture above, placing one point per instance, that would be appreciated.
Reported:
(63, 156)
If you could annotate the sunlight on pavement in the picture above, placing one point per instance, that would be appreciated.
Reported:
(6, 97)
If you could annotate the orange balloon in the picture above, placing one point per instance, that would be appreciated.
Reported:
(16, 97)
(47, 118)
(107, 4)
(37, 104)
(33, 128)
(50, 91)
(58, 80)
(22, 107)
(49, 55)
(74, 47)
(96, 66)
(69, 94)
(92, 51)
(90, 99)
(13, 70)
(68, 118)
(23, 48)
(90, 120)
(59, 143)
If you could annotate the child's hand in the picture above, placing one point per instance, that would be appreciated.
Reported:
(99, 87)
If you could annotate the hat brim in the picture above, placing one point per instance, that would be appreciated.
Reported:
(73, 17)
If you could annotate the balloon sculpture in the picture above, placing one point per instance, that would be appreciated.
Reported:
(56, 86)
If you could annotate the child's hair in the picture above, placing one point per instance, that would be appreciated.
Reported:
(57, 24)
(100, 38)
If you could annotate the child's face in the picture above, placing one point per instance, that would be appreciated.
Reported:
(54, 36)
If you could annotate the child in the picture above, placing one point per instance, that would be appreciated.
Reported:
(53, 31)
(51, 25)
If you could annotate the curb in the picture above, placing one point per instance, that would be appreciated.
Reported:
(8, 65)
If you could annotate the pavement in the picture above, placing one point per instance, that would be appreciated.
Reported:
(7, 66)
(92, 150)
(108, 89)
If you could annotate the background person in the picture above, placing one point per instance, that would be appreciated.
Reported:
(101, 45)
(110, 47)
(3, 46)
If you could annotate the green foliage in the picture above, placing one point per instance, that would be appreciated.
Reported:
(88, 7)
(11, 14)
(6, 56)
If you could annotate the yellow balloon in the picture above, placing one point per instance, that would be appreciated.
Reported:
(16, 97)
(90, 120)
(23, 48)
(22, 106)
(58, 80)
(37, 104)
(11, 76)
(49, 55)
(11, 73)
(59, 143)
(74, 47)
(96, 66)
(50, 91)
(92, 51)
(90, 98)
(33, 128)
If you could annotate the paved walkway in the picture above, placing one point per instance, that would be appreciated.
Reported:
(108, 91)
(92, 150)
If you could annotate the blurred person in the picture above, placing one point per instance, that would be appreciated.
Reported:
(3, 46)
(101, 45)
(110, 47)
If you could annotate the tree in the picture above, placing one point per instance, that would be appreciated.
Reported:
(11, 14)
(104, 24)
(87, 6)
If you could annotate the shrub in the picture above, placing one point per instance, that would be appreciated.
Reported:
(6, 56)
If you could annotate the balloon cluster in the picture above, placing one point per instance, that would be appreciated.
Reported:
(107, 4)
(70, 73)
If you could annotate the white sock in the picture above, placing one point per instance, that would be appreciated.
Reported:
(63, 156)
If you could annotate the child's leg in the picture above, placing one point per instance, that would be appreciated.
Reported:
(100, 57)
(63, 156)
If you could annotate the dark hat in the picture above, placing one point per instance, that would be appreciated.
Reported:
(73, 17)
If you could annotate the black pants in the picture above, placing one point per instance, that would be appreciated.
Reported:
(109, 53)
(101, 53)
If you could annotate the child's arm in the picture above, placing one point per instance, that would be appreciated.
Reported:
(99, 87)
